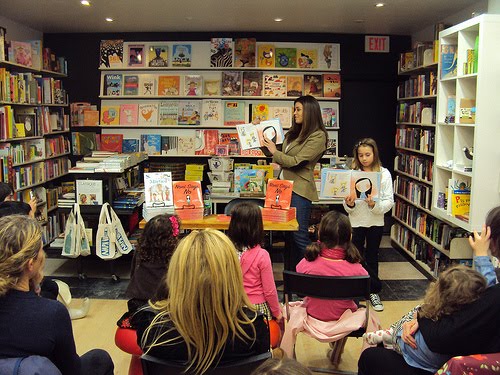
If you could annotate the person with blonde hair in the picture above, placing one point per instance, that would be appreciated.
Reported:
(207, 317)
(32, 325)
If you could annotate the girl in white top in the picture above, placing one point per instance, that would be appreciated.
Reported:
(367, 215)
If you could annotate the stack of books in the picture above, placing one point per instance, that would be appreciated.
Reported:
(277, 204)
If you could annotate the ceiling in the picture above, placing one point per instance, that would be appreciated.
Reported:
(397, 17)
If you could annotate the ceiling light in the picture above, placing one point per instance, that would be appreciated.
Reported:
(85, 2)
(379, 5)
(278, 19)
(109, 19)
(359, 21)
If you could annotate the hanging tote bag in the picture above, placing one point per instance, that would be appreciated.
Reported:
(105, 236)
(82, 239)
(71, 248)
(123, 245)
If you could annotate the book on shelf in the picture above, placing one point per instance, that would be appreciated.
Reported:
(130, 145)
(193, 85)
(110, 115)
(211, 112)
(329, 56)
(212, 87)
(169, 85)
(151, 144)
(451, 105)
(313, 84)
(448, 61)
(91, 118)
(147, 85)
(157, 55)
(340, 183)
(331, 85)
(186, 145)
(83, 142)
(252, 83)
(294, 85)
(251, 135)
(331, 144)
(130, 84)
(221, 52)
(283, 114)
(259, 112)
(278, 194)
(158, 189)
(231, 140)
(307, 58)
(329, 115)
(136, 57)
(249, 182)
(265, 55)
(129, 114)
(111, 53)
(111, 142)
(205, 141)
(467, 111)
(458, 198)
(244, 52)
(275, 85)
(148, 114)
(168, 112)
(169, 145)
(21, 52)
(112, 84)
(285, 57)
(89, 192)
(234, 112)
(36, 54)
(29, 123)
(189, 112)
(188, 201)
(231, 83)
(181, 55)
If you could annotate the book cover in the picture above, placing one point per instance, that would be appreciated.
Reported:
(111, 142)
(186, 145)
(89, 192)
(187, 194)
(36, 54)
(110, 115)
(364, 184)
(168, 112)
(211, 112)
(331, 85)
(169, 145)
(231, 83)
(448, 61)
(265, 55)
(221, 52)
(147, 85)
(251, 135)
(157, 55)
(211, 87)
(260, 112)
(335, 183)
(285, 57)
(130, 84)
(467, 111)
(313, 84)
(130, 145)
(251, 182)
(331, 144)
(21, 52)
(148, 114)
(158, 189)
(129, 114)
(136, 56)
(294, 85)
(112, 84)
(234, 113)
(329, 57)
(181, 55)
(283, 114)
(189, 112)
(151, 144)
(278, 194)
(231, 140)
(111, 53)
(307, 58)
(275, 85)
(83, 142)
(244, 52)
(252, 83)
(329, 115)
(460, 203)
(205, 141)
(193, 85)
(169, 85)
(29, 123)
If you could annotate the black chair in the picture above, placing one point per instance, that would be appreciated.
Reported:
(155, 366)
(355, 288)
(233, 202)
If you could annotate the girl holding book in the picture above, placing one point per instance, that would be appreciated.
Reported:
(367, 215)
(303, 146)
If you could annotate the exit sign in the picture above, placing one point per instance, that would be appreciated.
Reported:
(377, 43)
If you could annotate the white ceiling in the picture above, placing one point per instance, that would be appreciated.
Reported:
(398, 17)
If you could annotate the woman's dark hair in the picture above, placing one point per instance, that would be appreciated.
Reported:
(312, 120)
(157, 242)
(286, 366)
(493, 221)
(5, 191)
(334, 231)
(246, 228)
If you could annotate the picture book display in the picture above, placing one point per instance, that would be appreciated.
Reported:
(136, 56)
(186, 145)
(211, 112)
(147, 85)
(168, 112)
(22, 53)
(251, 136)
(448, 61)
(193, 85)
(459, 199)
(283, 114)
(330, 116)
(313, 84)
(111, 53)
(221, 52)
(148, 113)
(157, 55)
(275, 85)
(467, 114)
(89, 192)
(189, 112)
(169, 145)
(278, 194)
(110, 115)
(260, 112)
(234, 112)
(244, 52)
(188, 201)
(129, 114)
(181, 55)
(158, 189)
(285, 58)
(329, 57)
(331, 85)
(151, 144)
(265, 55)
(340, 183)
(249, 182)
(231, 83)
(111, 142)
(130, 145)
(112, 84)
(307, 58)
(211, 87)
(252, 83)
(130, 84)
(294, 85)
(206, 141)
(169, 85)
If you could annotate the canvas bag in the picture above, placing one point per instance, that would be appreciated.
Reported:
(71, 233)
(105, 237)
(122, 243)
(82, 239)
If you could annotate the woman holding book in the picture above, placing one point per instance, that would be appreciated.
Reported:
(303, 146)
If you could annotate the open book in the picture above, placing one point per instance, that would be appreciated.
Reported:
(252, 136)
(340, 183)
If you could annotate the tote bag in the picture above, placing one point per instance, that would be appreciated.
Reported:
(71, 233)
(105, 236)
(122, 244)
(82, 241)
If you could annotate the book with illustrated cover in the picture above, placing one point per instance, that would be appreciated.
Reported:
(147, 85)
(110, 115)
(168, 112)
(158, 189)
(89, 192)
(136, 56)
(221, 52)
(111, 54)
(205, 141)
(313, 84)
(211, 87)
(112, 84)
(285, 58)
(187, 194)
(329, 56)
(244, 52)
(29, 122)
(181, 55)
(111, 142)
(21, 52)
(278, 194)
(189, 112)
(331, 144)
(157, 55)
(294, 85)
(307, 58)
(234, 113)
(331, 85)
(151, 144)
(283, 114)
(193, 85)
(130, 145)
(83, 143)
(275, 85)
(169, 144)
(448, 61)
(231, 83)
(231, 140)
(467, 114)
(250, 182)
(340, 183)
(169, 85)
(265, 55)
(186, 145)
(129, 114)
(148, 114)
(130, 84)
(329, 115)
(211, 112)
(259, 112)
(251, 135)
(252, 83)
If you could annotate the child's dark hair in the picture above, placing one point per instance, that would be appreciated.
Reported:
(493, 221)
(286, 366)
(334, 231)
(246, 228)
(159, 239)
(5, 191)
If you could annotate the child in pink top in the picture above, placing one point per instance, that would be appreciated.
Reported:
(246, 230)
(333, 255)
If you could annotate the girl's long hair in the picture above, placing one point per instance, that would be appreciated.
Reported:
(246, 228)
(367, 142)
(206, 300)
(334, 231)
(157, 242)
(456, 287)
(312, 120)
(493, 221)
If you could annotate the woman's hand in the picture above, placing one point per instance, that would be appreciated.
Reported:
(269, 145)
(32, 204)
(350, 201)
(480, 243)
(370, 201)
(279, 318)
(409, 329)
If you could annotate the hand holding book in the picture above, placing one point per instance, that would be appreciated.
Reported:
(269, 145)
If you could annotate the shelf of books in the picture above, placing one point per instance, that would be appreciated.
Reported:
(187, 98)
(34, 128)
(466, 175)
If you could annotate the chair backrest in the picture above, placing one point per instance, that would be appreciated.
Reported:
(155, 366)
(235, 201)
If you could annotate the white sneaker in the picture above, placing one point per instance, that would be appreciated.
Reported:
(376, 303)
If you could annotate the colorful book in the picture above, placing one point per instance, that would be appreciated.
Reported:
(158, 189)
(313, 84)
(340, 183)
(193, 85)
(331, 144)
(205, 141)
(231, 140)
(111, 142)
(260, 112)
(83, 143)
(329, 57)
(231, 83)
(112, 85)
(294, 85)
(110, 115)
(129, 114)
(181, 55)
(211, 87)
(331, 85)
(21, 52)
(221, 52)
(157, 55)
(29, 123)
(252, 83)
(467, 114)
(448, 61)
(111, 54)
(307, 58)
(265, 55)
(187, 194)
(169, 144)
(275, 85)
(252, 136)
(147, 85)
(89, 192)
(130, 145)
(148, 114)
(186, 145)
(244, 52)
(136, 56)
(130, 84)
(168, 112)
(189, 112)
(285, 58)
(234, 113)
(151, 144)
(283, 114)
(278, 194)
(169, 85)
(211, 112)
(251, 182)
(329, 115)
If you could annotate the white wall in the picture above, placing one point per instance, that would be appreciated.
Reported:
(19, 32)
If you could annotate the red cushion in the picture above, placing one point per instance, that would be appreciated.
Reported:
(275, 333)
(126, 340)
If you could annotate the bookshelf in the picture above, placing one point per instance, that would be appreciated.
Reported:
(34, 138)
(456, 127)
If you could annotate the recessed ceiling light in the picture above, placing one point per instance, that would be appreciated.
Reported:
(277, 19)
(109, 19)
(359, 21)
(379, 5)
(189, 18)
(85, 2)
